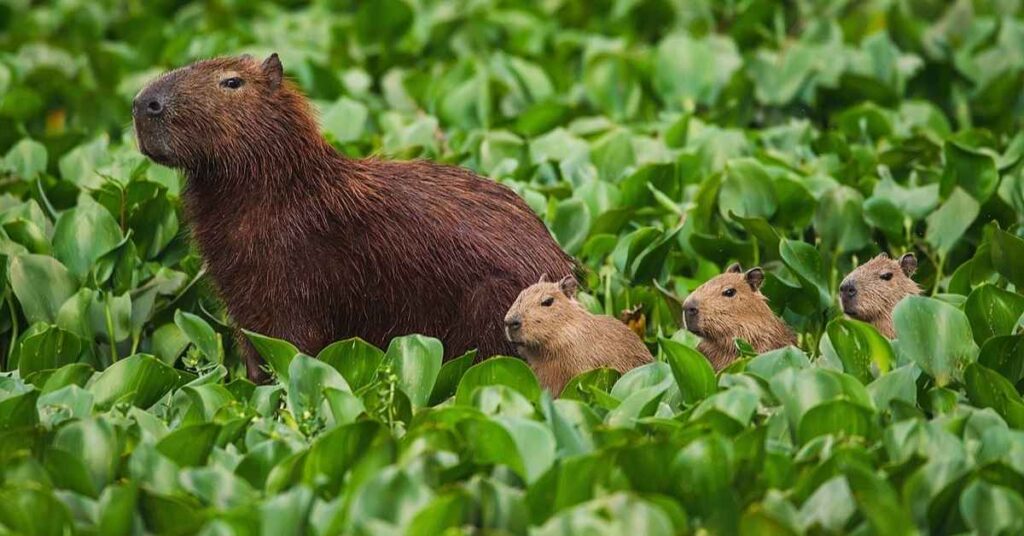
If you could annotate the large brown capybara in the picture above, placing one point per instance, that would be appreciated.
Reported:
(871, 291)
(730, 306)
(560, 339)
(307, 245)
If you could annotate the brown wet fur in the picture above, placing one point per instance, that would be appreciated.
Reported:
(721, 319)
(875, 296)
(563, 340)
(307, 245)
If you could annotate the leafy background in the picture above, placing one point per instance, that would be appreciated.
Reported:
(660, 140)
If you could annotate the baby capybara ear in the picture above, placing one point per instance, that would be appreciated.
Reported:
(754, 277)
(273, 70)
(568, 286)
(544, 278)
(734, 268)
(908, 263)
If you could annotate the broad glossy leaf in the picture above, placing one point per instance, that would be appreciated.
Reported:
(356, 360)
(507, 371)
(190, 445)
(692, 371)
(140, 380)
(934, 335)
(276, 352)
(27, 158)
(949, 223)
(84, 234)
(42, 285)
(859, 346)
(993, 312)
(417, 361)
(1007, 252)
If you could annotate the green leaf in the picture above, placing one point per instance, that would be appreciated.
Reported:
(356, 360)
(27, 158)
(50, 348)
(201, 335)
(276, 352)
(34, 511)
(189, 446)
(973, 171)
(936, 336)
(859, 345)
(345, 120)
(507, 371)
(746, 190)
(692, 371)
(992, 509)
(42, 284)
(307, 380)
(840, 222)
(1007, 251)
(949, 223)
(993, 312)
(805, 262)
(450, 375)
(140, 380)
(688, 70)
(84, 234)
(417, 362)
(570, 223)
(988, 389)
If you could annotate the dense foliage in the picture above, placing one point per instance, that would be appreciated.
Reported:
(660, 140)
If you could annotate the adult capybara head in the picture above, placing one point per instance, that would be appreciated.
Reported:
(228, 108)
(724, 302)
(873, 289)
(541, 312)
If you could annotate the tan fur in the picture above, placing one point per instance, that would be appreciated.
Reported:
(563, 340)
(875, 298)
(719, 319)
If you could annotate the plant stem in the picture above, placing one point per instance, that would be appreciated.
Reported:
(110, 327)
(14, 327)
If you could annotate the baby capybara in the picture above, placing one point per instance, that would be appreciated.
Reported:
(873, 289)
(310, 246)
(730, 306)
(560, 339)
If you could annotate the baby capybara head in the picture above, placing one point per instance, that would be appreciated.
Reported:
(224, 108)
(725, 302)
(541, 312)
(873, 289)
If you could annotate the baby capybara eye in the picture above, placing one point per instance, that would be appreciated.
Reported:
(548, 301)
(887, 276)
(729, 292)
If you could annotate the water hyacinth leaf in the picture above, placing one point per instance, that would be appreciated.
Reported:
(837, 417)
(277, 353)
(49, 349)
(993, 312)
(682, 74)
(356, 360)
(949, 223)
(973, 171)
(95, 443)
(692, 371)
(1007, 251)
(449, 376)
(345, 120)
(417, 362)
(859, 345)
(988, 389)
(42, 284)
(805, 262)
(1005, 355)
(936, 336)
(34, 511)
(140, 380)
(189, 446)
(508, 371)
(19, 410)
(308, 378)
(747, 190)
(992, 509)
(570, 223)
(84, 234)
(839, 221)
(619, 513)
(27, 159)
(199, 333)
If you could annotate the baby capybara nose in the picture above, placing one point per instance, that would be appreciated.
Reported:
(690, 313)
(847, 290)
(513, 323)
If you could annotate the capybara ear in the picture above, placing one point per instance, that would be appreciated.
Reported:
(544, 278)
(754, 277)
(883, 255)
(568, 286)
(273, 70)
(734, 268)
(908, 263)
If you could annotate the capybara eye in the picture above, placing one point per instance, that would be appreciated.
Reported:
(232, 83)
(729, 292)
(548, 301)
(887, 276)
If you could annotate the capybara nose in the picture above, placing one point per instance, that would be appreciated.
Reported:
(513, 323)
(148, 104)
(847, 290)
(690, 311)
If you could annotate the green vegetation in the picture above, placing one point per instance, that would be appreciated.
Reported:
(660, 140)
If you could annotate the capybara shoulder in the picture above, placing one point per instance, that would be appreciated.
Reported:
(310, 246)
(560, 339)
(871, 291)
(730, 306)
